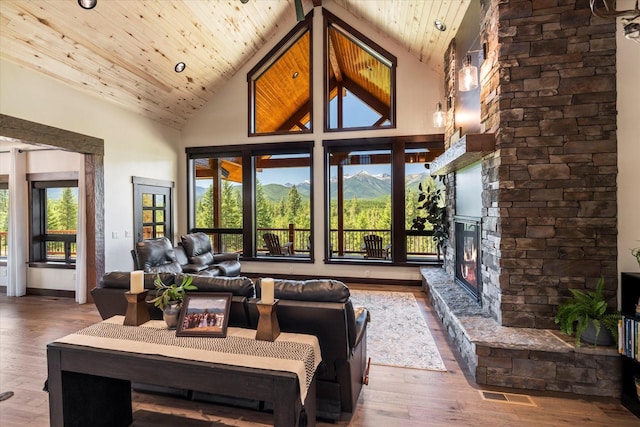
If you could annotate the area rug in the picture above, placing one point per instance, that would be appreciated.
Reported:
(398, 335)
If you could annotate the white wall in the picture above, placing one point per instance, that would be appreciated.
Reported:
(223, 121)
(628, 81)
(134, 146)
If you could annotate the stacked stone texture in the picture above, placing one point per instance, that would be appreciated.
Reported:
(550, 189)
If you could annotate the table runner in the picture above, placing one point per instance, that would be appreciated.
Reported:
(296, 353)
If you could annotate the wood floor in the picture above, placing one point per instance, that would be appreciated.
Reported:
(395, 397)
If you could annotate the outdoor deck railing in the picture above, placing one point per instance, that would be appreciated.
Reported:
(61, 245)
(419, 244)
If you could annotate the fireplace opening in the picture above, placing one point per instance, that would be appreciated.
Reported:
(467, 261)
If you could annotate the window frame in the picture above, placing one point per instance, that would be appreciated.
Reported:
(247, 153)
(271, 58)
(38, 238)
(398, 145)
(375, 50)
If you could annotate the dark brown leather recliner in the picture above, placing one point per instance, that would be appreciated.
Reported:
(199, 252)
(323, 308)
(160, 256)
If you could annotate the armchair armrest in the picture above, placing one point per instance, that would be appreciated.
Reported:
(194, 268)
(363, 317)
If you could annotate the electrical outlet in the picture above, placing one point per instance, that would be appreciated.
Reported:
(114, 234)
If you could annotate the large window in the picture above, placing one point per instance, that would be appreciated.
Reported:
(54, 220)
(217, 199)
(372, 198)
(239, 194)
(359, 80)
(283, 203)
(360, 201)
(280, 86)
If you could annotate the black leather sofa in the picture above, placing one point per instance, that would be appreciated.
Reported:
(320, 307)
(193, 255)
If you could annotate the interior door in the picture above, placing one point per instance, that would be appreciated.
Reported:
(153, 202)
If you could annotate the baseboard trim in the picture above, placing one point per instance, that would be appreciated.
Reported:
(44, 292)
(347, 280)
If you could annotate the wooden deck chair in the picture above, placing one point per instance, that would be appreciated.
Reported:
(373, 247)
(275, 248)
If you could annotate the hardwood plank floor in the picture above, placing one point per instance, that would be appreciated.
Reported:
(394, 397)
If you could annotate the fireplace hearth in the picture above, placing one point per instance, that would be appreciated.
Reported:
(467, 257)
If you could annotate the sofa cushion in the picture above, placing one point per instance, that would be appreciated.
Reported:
(239, 286)
(171, 267)
(202, 259)
(320, 290)
(155, 252)
(196, 244)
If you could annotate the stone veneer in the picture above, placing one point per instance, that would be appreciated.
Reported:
(549, 218)
(548, 93)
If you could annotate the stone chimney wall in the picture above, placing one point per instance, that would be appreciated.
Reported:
(549, 190)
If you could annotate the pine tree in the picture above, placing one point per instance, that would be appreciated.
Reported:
(204, 209)
(264, 214)
(4, 210)
(294, 205)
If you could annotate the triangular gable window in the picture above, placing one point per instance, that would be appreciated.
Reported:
(354, 65)
(280, 86)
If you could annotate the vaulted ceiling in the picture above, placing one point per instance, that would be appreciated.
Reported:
(125, 51)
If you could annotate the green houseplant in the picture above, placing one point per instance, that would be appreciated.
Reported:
(587, 310)
(432, 202)
(169, 298)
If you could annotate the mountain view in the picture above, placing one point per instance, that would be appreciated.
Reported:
(362, 186)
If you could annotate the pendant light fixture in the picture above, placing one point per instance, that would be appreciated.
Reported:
(299, 10)
(468, 75)
(438, 116)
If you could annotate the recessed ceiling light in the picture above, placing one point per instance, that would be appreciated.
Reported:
(180, 66)
(87, 4)
(440, 26)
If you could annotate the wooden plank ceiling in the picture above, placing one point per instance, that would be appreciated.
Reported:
(125, 51)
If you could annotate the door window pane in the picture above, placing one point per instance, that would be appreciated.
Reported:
(147, 200)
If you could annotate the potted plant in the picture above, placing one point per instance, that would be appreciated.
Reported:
(169, 298)
(587, 313)
(431, 201)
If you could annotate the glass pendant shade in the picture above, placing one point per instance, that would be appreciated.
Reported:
(438, 116)
(468, 76)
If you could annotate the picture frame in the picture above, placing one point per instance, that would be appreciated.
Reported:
(204, 315)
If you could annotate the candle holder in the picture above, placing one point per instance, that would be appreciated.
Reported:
(137, 312)
(268, 327)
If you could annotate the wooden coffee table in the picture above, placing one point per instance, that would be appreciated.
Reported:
(91, 384)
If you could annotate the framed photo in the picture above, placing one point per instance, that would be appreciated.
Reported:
(204, 315)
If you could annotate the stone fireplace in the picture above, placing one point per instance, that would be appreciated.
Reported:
(545, 154)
